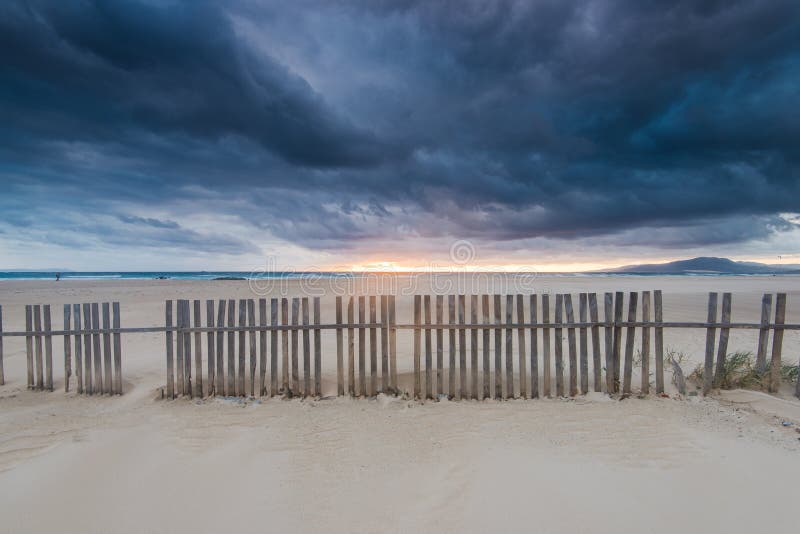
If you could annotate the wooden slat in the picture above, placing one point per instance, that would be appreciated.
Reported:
(98, 356)
(317, 350)
(117, 349)
(240, 383)
(547, 389)
(373, 348)
(451, 334)
(416, 347)
(462, 347)
(212, 349)
(251, 321)
(29, 343)
(473, 306)
(763, 333)
(571, 346)
(107, 380)
(262, 348)
(583, 338)
(708, 368)
(559, 346)
(777, 343)
(230, 388)
(659, 341)
(509, 389)
(362, 364)
(67, 347)
(393, 344)
(597, 362)
(306, 349)
(523, 365)
(351, 369)
(295, 387)
(724, 333)
(633, 300)
(198, 352)
(439, 345)
(645, 343)
(180, 369)
(619, 302)
(273, 349)
(339, 349)
(37, 327)
(170, 364)
(384, 344)
(487, 372)
(534, 349)
(87, 345)
(498, 347)
(76, 313)
(426, 304)
(48, 348)
(285, 388)
(219, 375)
(608, 337)
(187, 349)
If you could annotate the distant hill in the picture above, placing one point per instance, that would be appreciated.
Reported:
(707, 265)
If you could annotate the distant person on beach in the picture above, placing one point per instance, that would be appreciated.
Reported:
(58, 277)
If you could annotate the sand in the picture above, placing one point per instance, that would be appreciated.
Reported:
(135, 463)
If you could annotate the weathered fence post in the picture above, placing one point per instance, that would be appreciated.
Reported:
(211, 344)
(67, 346)
(48, 348)
(659, 339)
(534, 350)
(76, 312)
(117, 349)
(708, 368)
(559, 346)
(608, 337)
(573, 356)
(168, 335)
(251, 322)
(373, 348)
(262, 347)
(451, 335)
(317, 350)
(198, 351)
(473, 337)
(487, 368)
(219, 375)
(351, 366)
(584, 342)
(393, 345)
(230, 390)
(362, 364)
(619, 303)
(509, 391)
(426, 304)
(384, 344)
(763, 333)
(645, 343)
(273, 349)
(107, 375)
(29, 343)
(498, 349)
(633, 299)
(87, 345)
(98, 356)
(37, 325)
(339, 349)
(597, 365)
(286, 390)
(547, 389)
(240, 383)
(777, 343)
(523, 379)
(295, 387)
(439, 345)
(722, 351)
(187, 348)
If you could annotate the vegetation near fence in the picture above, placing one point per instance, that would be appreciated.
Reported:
(266, 339)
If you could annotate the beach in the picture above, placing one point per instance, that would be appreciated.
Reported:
(137, 463)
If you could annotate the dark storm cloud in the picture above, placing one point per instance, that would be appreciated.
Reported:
(331, 123)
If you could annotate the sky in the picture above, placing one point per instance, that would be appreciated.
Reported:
(367, 134)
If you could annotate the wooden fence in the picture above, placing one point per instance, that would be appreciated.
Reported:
(517, 331)
(516, 323)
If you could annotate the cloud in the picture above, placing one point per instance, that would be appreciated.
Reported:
(346, 125)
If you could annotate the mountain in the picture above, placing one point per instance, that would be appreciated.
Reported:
(708, 265)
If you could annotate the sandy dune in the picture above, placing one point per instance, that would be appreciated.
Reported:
(591, 464)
